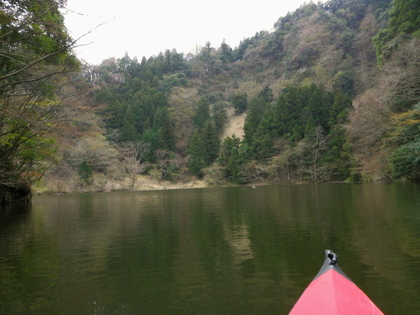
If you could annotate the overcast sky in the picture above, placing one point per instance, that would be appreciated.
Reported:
(145, 28)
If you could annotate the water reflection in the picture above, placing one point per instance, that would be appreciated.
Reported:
(208, 251)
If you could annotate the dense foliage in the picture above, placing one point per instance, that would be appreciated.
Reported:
(35, 55)
(137, 109)
(301, 133)
(403, 22)
(331, 94)
(304, 77)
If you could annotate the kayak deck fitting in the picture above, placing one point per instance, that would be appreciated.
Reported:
(332, 292)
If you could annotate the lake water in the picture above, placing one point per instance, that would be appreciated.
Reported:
(208, 251)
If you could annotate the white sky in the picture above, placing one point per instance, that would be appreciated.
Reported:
(145, 28)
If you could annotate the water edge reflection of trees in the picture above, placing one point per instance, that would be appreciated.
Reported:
(239, 250)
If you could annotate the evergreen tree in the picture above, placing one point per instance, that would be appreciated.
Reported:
(233, 168)
(243, 46)
(219, 116)
(162, 127)
(339, 109)
(343, 82)
(266, 95)
(240, 102)
(339, 154)
(226, 149)
(287, 111)
(107, 95)
(128, 131)
(253, 118)
(143, 113)
(309, 125)
(319, 106)
(230, 158)
(262, 143)
(146, 103)
(257, 107)
(202, 113)
(150, 136)
(160, 118)
(203, 147)
(178, 62)
(262, 147)
(267, 123)
(210, 140)
(167, 62)
(197, 154)
(115, 115)
(226, 54)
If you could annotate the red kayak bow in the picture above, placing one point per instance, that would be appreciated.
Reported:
(333, 293)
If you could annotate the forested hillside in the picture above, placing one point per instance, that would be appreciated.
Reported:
(332, 94)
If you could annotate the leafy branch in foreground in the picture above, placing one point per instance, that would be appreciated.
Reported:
(35, 57)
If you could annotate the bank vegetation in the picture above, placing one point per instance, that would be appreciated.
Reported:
(332, 94)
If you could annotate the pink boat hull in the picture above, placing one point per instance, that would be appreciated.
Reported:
(332, 293)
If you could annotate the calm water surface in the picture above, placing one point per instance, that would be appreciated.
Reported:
(208, 251)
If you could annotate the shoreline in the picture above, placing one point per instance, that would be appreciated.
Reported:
(101, 184)
(142, 183)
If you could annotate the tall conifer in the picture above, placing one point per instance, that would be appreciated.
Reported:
(129, 132)
(197, 153)
(210, 140)
(202, 113)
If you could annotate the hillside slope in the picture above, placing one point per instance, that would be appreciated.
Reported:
(305, 102)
